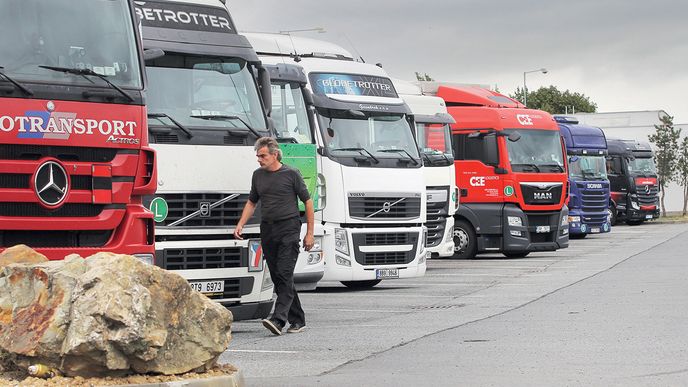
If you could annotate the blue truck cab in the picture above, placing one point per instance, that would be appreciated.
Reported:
(586, 148)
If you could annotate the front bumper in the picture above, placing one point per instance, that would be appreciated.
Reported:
(540, 231)
(446, 247)
(374, 248)
(250, 311)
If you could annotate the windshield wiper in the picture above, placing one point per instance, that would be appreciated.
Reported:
(557, 166)
(84, 72)
(415, 162)
(16, 84)
(361, 150)
(222, 117)
(181, 127)
(533, 166)
(432, 161)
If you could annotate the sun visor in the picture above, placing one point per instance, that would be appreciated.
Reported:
(439, 118)
(326, 102)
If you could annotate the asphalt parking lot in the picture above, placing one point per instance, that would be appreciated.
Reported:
(347, 327)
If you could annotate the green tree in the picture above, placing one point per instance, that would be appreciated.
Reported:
(554, 101)
(423, 77)
(666, 139)
(682, 169)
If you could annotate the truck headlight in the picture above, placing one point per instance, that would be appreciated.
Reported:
(565, 221)
(267, 281)
(146, 258)
(317, 245)
(342, 261)
(341, 242)
(572, 219)
(635, 205)
(515, 221)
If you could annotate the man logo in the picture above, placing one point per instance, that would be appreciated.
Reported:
(542, 196)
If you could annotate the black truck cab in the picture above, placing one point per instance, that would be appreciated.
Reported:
(633, 181)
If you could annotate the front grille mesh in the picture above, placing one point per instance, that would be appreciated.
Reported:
(202, 258)
(382, 208)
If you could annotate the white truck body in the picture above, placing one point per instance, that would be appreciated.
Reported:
(373, 211)
(434, 137)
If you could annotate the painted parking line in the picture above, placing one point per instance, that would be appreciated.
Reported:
(258, 351)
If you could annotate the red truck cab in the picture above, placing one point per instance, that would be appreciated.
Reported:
(511, 172)
(74, 155)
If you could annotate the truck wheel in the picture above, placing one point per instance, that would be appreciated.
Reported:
(611, 215)
(516, 254)
(465, 242)
(577, 236)
(360, 284)
(634, 222)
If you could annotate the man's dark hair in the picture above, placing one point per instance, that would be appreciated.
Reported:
(271, 144)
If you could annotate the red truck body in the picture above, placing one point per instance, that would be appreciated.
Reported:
(74, 157)
(495, 193)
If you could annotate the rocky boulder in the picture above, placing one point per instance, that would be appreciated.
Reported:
(108, 315)
(20, 254)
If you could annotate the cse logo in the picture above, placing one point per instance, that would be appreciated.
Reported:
(477, 181)
(524, 119)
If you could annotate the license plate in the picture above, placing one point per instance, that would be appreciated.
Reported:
(542, 229)
(386, 273)
(595, 230)
(649, 216)
(206, 287)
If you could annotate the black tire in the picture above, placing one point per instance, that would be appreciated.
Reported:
(360, 284)
(612, 215)
(465, 241)
(577, 236)
(516, 254)
(634, 222)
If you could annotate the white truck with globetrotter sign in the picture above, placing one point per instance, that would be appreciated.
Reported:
(373, 185)
(204, 114)
(434, 138)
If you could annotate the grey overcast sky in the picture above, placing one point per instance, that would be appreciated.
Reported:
(623, 54)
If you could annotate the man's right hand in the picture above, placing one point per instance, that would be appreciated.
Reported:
(238, 231)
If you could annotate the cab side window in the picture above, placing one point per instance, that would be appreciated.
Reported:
(614, 165)
(466, 148)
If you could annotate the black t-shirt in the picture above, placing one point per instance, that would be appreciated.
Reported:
(277, 192)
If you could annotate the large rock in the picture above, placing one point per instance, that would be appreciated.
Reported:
(20, 254)
(108, 315)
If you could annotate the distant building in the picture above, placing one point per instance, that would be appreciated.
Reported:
(636, 125)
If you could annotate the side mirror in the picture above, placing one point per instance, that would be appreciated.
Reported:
(514, 136)
(491, 150)
(265, 89)
(152, 54)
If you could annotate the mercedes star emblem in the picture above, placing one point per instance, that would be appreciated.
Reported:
(51, 183)
(647, 189)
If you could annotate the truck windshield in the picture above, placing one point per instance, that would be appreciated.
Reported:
(537, 151)
(641, 166)
(350, 133)
(583, 168)
(82, 34)
(204, 92)
(289, 112)
(434, 141)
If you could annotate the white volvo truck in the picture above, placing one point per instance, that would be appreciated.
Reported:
(434, 138)
(204, 115)
(372, 171)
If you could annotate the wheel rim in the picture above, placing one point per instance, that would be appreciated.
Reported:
(460, 240)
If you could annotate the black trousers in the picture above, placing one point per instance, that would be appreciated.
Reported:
(281, 243)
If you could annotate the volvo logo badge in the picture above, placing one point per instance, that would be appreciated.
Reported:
(386, 206)
(51, 183)
(205, 209)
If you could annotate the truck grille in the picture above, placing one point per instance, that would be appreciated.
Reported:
(437, 212)
(54, 239)
(550, 219)
(63, 153)
(23, 181)
(594, 203)
(203, 258)
(182, 205)
(647, 197)
(541, 193)
(75, 210)
(382, 207)
(385, 239)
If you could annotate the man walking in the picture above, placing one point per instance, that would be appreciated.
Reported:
(277, 186)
